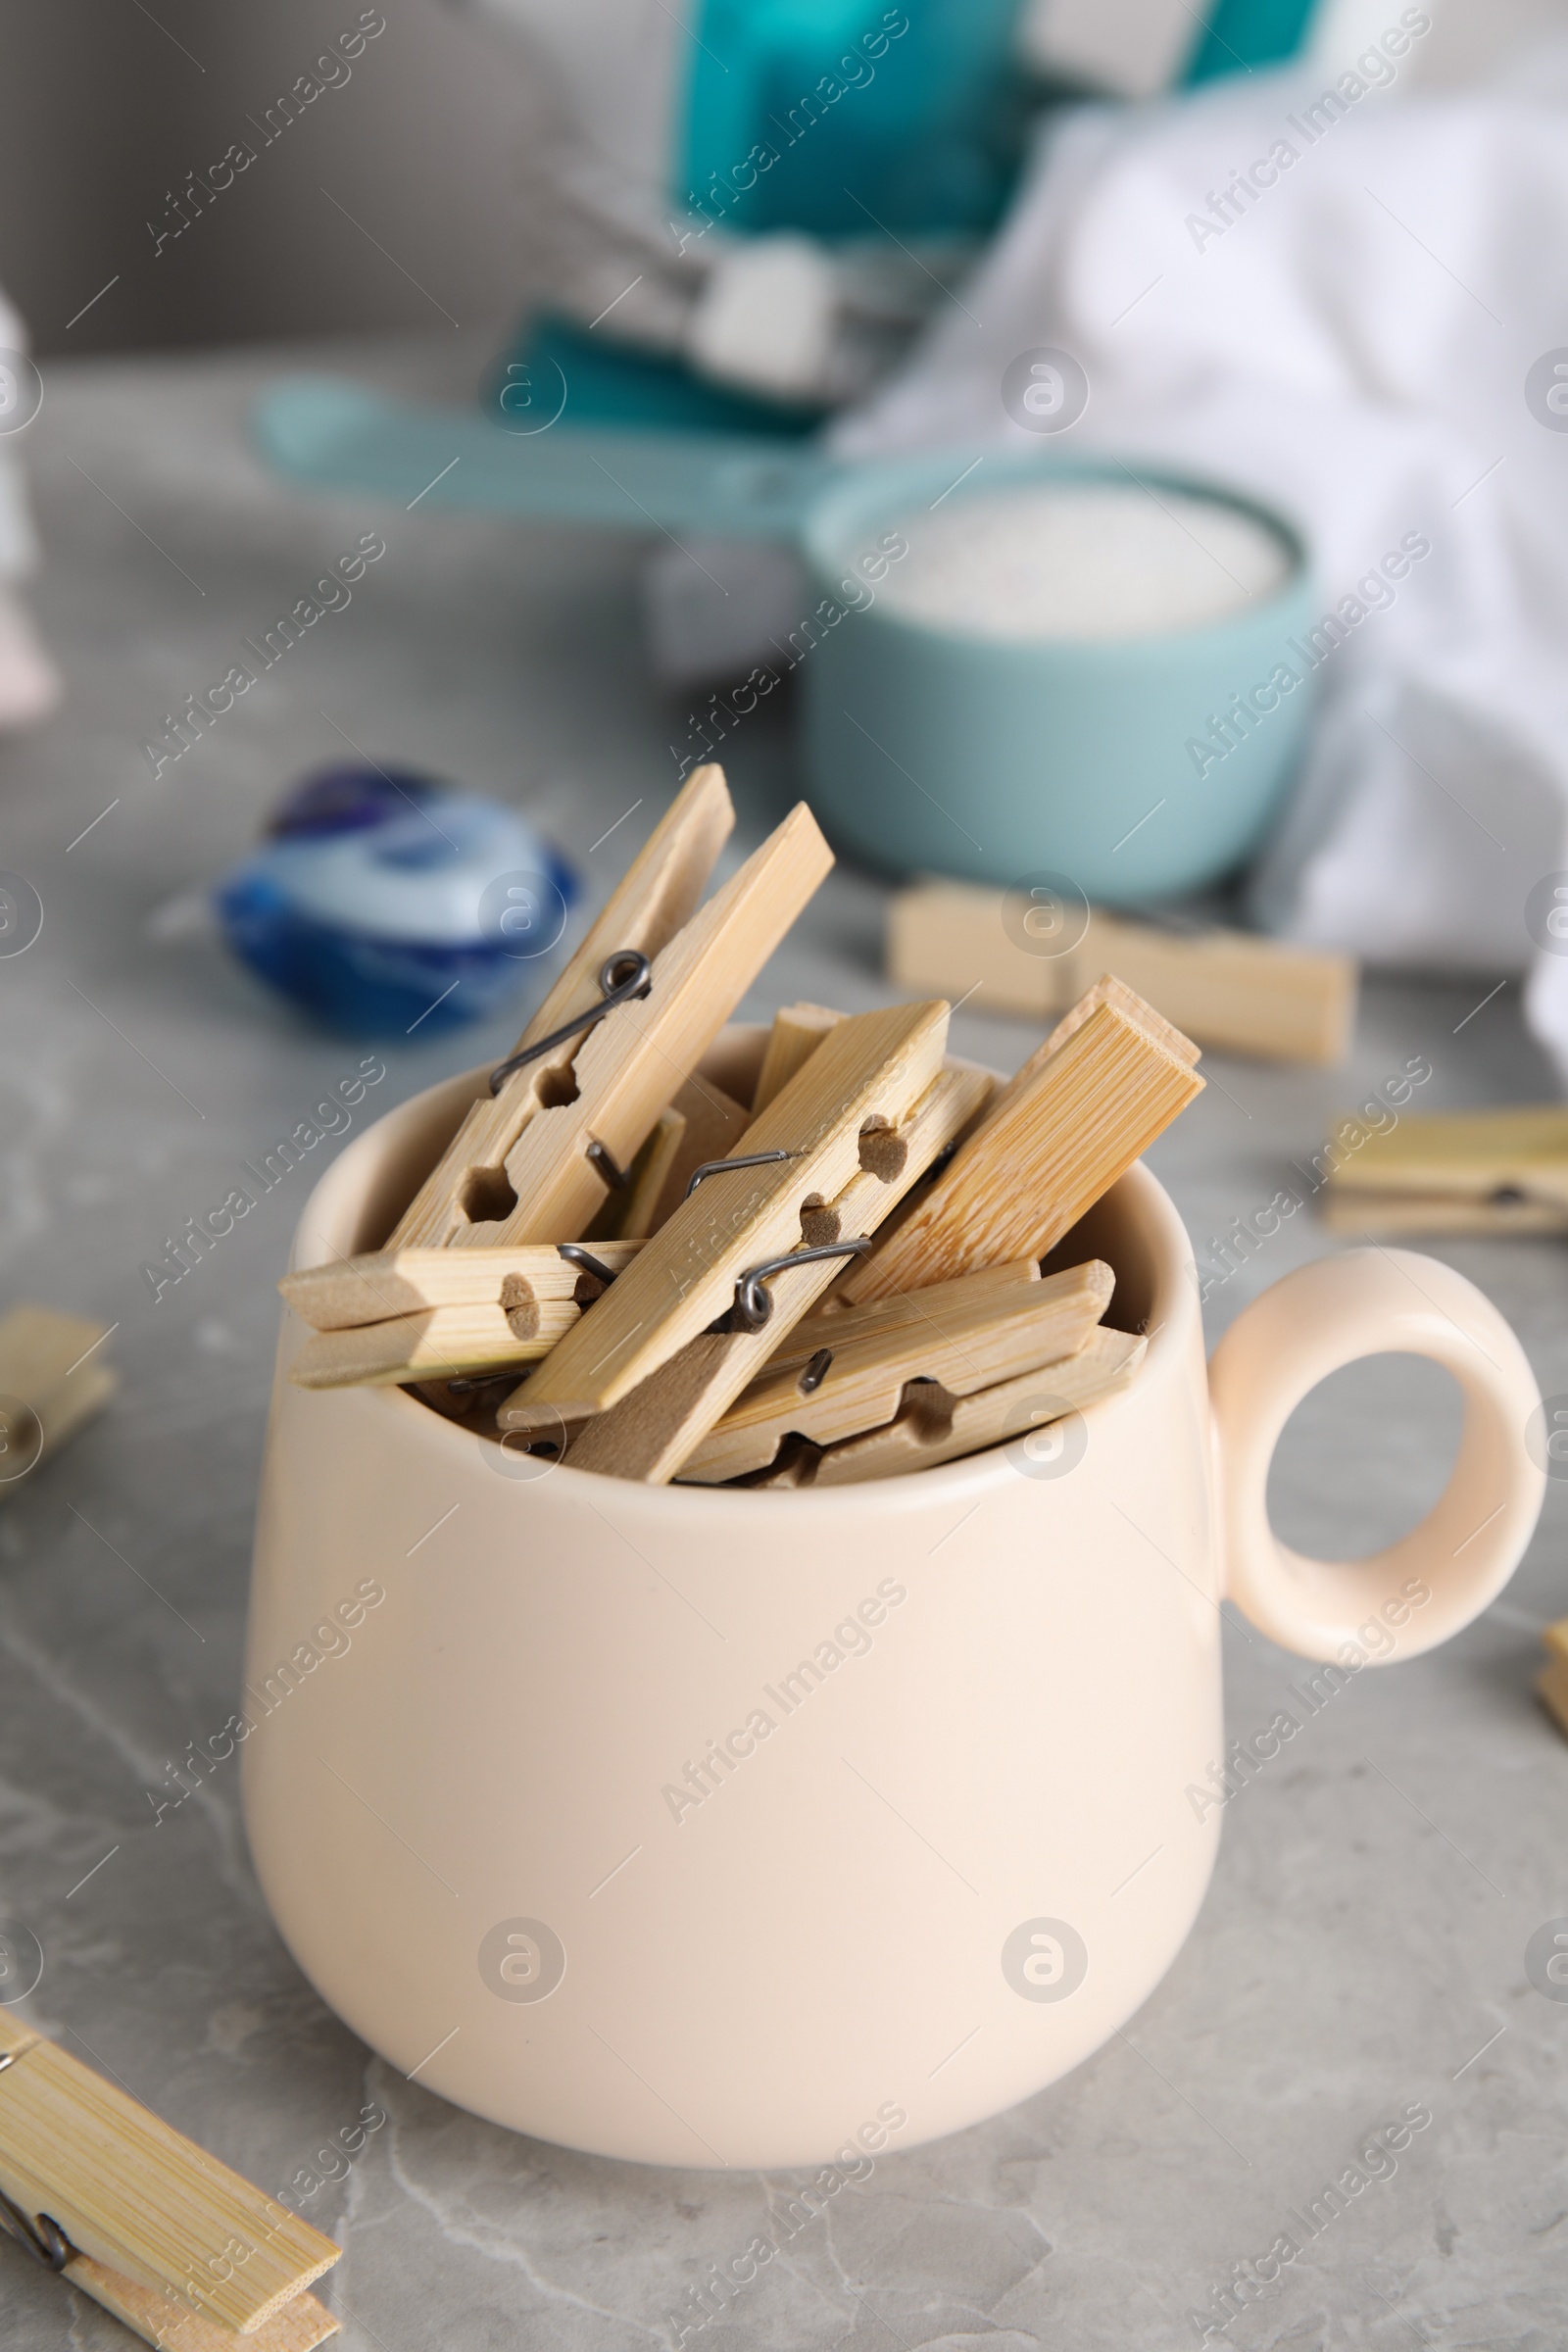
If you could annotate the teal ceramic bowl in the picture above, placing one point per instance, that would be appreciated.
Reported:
(931, 750)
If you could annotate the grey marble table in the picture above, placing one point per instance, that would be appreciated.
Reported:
(1362, 1948)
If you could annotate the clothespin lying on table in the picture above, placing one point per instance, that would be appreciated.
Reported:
(1475, 1171)
(752, 1249)
(185, 2252)
(1552, 1683)
(968, 1335)
(934, 1426)
(1109, 1078)
(1231, 990)
(52, 1379)
(444, 1311)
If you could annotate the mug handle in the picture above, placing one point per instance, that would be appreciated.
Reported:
(1306, 1325)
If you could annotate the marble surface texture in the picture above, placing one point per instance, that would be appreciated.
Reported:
(1362, 1947)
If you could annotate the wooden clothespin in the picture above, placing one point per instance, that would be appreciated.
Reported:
(576, 1148)
(934, 1426)
(1233, 990)
(796, 1032)
(1081, 1113)
(564, 1126)
(1109, 989)
(387, 1284)
(822, 1165)
(1106, 990)
(458, 1311)
(900, 1310)
(968, 1335)
(1476, 1171)
(178, 2247)
(655, 899)
(650, 1434)
(1552, 1683)
(699, 1124)
(52, 1379)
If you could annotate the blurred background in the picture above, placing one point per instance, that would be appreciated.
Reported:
(859, 241)
(103, 111)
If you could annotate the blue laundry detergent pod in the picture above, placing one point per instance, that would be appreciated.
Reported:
(389, 904)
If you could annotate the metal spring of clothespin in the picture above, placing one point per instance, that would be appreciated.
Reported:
(754, 1301)
(576, 1255)
(623, 976)
(43, 2238)
(716, 1167)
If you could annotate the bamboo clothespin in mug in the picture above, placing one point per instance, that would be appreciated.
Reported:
(645, 911)
(699, 1124)
(968, 1335)
(444, 1311)
(796, 1032)
(655, 899)
(576, 1147)
(934, 1426)
(1110, 1078)
(702, 1125)
(843, 1143)
(650, 1434)
(648, 908)
(161, 2233)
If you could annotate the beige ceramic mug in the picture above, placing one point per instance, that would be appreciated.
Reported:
(722, 1828)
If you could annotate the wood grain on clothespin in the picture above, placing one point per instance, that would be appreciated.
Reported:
(796, 1032)
(701, 1124)
(1471, 1171)
(967, 1334)
(531, 1299)
(934, 1426)
(170, 2327)
(652, 1432)
(1106, 990)
(1234, 991)
(838, 1119)
(139, 2199)
(901, 1310)
(390, 1283)
(1031, 1170)
(631, 1064)
(1109, 989)
(654, 898)
(631, 1210)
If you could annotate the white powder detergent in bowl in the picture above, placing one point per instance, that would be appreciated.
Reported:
(1036, 679)
(1096, 561)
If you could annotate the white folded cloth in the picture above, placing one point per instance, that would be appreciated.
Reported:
(1349, 332)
